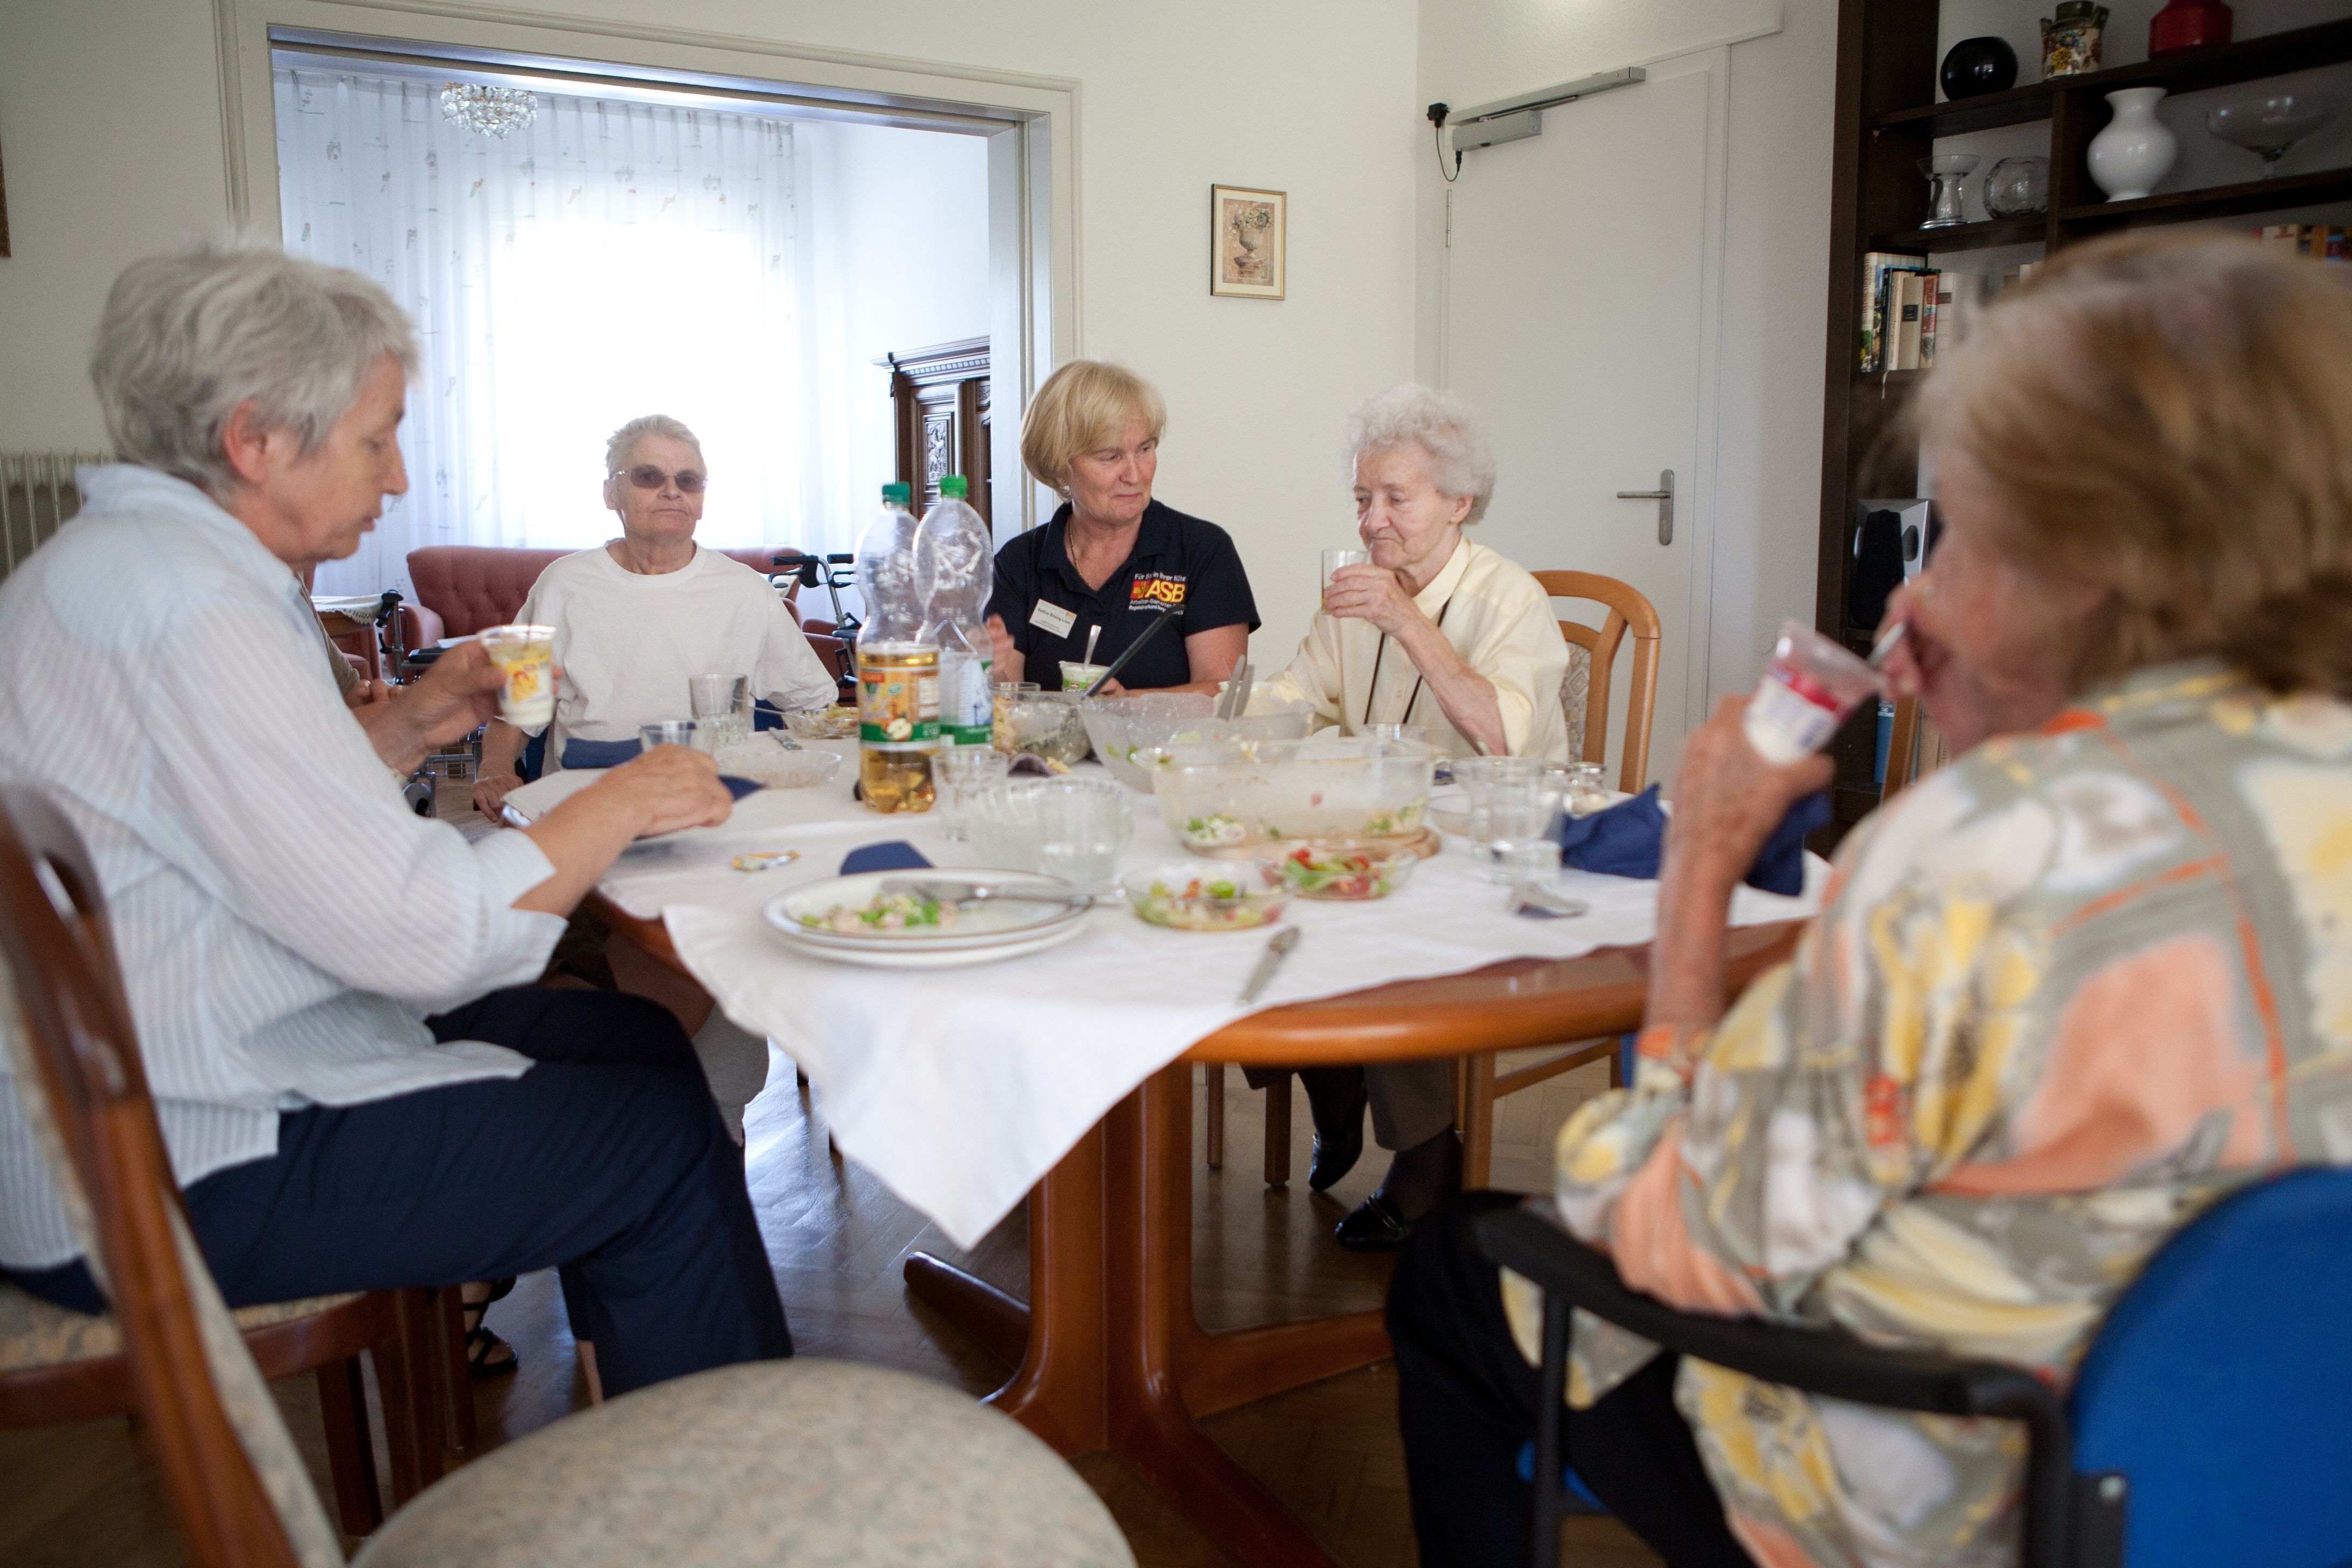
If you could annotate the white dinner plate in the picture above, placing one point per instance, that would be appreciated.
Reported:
(983, 925)
(877, 956)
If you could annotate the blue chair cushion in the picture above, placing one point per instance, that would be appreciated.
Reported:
(2220, 1385)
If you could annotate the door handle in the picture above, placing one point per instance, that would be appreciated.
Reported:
(1664, 496)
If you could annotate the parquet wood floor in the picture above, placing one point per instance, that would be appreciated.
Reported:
(85, 1496)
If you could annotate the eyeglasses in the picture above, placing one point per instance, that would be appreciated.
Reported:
(646, 477)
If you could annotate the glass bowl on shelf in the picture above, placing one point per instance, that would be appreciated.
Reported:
(2270, 126)
(2018, 187)
(1224, 797)
(1132, 734)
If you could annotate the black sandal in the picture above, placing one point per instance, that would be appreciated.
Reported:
(482, 1346)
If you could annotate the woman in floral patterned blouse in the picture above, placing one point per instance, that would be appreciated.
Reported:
(2065, 992)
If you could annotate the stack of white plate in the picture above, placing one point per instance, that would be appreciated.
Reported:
(981, 933)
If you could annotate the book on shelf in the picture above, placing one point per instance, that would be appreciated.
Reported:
(1931, 315)
(2018, 272)
(2321, 241)
(1906, 296)
(1876, 266)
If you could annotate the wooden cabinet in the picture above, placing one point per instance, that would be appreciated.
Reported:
(941, 401)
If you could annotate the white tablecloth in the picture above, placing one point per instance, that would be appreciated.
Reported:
(960, 1087)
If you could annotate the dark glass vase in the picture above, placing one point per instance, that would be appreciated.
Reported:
(1979, 66)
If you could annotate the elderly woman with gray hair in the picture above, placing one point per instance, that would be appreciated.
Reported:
(356, 1093)
(1437, 631)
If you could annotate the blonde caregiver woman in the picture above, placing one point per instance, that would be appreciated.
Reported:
(1437, 631)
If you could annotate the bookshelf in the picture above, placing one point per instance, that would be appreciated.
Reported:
(1886, 120)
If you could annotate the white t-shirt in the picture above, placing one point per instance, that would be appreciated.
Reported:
(627, 643)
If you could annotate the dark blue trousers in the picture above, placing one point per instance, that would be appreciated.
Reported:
(607, 1159)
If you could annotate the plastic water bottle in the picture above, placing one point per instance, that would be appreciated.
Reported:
(897, 669)
(955, 566)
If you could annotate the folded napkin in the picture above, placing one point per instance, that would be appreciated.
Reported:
(891, 855)
(613, 753)
(1626, 839)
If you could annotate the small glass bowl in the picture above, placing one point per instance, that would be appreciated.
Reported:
(1190, 896)
(838, 723)
(1340, 870)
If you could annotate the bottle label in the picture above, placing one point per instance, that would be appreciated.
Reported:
(967, 704)
(898, 709)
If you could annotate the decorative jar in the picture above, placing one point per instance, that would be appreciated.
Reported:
(2137, 149)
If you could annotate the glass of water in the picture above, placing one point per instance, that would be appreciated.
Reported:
(1082, 825)
(674, 732)
(723, 704)
(1335, 559)
(1511, 803)
(958, 773)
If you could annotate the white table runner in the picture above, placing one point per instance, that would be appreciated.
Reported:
(960, 1087)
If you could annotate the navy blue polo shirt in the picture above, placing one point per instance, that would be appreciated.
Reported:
(1179, 563)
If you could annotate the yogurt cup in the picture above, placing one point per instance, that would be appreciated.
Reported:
(1078, 677)
(1810, 687)
(525, 656)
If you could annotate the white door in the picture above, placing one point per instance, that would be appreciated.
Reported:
(1580, 321)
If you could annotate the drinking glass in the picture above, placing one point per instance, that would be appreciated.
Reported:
(1335, 559)
(959, 773)
(1416, 734)
(1531, 860)
(1588, 789)
(675, 732)
(723, 704)
(1082, 825)
(1510, 802)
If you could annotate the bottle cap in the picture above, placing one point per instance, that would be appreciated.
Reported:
(955, 485)
(899, 494)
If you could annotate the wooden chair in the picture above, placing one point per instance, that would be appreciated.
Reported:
(1585, 696)
(57, 1365)
(773, 1461)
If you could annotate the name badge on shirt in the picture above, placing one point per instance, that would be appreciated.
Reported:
(1052, 619)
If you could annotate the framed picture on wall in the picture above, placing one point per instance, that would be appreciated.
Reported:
(1248, 242)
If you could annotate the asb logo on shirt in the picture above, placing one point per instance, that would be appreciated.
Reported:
(1157, 588)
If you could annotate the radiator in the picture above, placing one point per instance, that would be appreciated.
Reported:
(36, 497)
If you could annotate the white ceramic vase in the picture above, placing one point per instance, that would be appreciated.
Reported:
(2137, 149)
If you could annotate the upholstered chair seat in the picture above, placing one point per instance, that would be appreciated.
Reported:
(37, 1333)
(819, 1464)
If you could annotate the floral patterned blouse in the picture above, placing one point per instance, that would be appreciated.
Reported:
(2062, 995)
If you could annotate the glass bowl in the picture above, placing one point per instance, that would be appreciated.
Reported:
(762, 760)
(1068, 827)
(1132, 734)
(838, 723)
(1189, 896)
(1044, 724)
(1345, 871)
(1221, 798)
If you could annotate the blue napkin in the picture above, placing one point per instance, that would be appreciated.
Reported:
(1626, 839)
(766, 715)
(891, 855)
(613, 753)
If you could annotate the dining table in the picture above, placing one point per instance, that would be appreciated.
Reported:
(1064, 1077)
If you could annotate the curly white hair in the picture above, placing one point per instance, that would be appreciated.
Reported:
(1442, 424)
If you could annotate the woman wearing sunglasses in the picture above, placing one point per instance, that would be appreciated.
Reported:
(634, 617)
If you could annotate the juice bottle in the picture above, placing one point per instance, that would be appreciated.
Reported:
(955, 568)
(897, 671)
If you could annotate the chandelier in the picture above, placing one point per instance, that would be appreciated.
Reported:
(493, 110)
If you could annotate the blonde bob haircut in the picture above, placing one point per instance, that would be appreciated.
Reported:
(2169, 417)
(1084, 406)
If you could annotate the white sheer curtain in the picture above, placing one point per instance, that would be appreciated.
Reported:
(608, 261)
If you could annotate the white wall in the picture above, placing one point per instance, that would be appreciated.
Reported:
(1776, 256)
(108, 113)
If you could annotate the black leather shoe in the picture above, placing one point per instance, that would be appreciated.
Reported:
(1374, 1226)
(1338, 1150)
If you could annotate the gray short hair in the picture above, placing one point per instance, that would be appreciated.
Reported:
(187, 338)
(1462, 462)
(625, 439)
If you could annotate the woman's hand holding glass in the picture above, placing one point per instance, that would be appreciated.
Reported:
(1368, 593)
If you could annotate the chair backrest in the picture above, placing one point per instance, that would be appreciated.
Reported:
(2220, 1385)
(93, 1088)
(471, 586)
(1629, 614)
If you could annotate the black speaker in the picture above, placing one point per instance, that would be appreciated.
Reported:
(1876, 569)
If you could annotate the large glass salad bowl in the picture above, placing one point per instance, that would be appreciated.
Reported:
(1132, 734)
(1227, 797)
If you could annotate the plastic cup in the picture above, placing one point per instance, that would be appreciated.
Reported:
(959, 773)
(1810, 687)
(1335, 559)
(525, 656)
(1078, 677)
